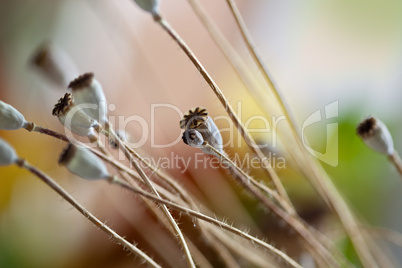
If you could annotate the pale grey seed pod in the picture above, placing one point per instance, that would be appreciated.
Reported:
(376, 135)
(193, 138)
(87, 90)
(151, 6)
(73, 117)
(83, 163)
(55, 64)
(8, 155)
(11, 118)
(199, 120)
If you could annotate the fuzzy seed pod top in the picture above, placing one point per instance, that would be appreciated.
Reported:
(73, 117)
(376, 135)
(8, 155)
(10, 118)
(151, 6)
(87, 90)
(83, 163)
(199, 120)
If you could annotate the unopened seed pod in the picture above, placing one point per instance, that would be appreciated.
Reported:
(87, 90)
(83, 163)
(376, 135)
(8, 155)
(193, 138)
(10, 118)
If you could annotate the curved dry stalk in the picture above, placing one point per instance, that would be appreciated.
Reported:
(207, 219)
(258, 60)
(240, 67)
(150, 185)
(217, 235)
(246, 136)
(322, 181)
(291, 220)
(122, 167)
(248, 178)
(396, 161)
(33, 127)
(226, 257)
(246, 76)
(63, 193)
(299, 227)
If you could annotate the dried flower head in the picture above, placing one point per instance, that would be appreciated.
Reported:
(376, 135)
(83, 163)
(8, 155)
(87, 90)
(54, 64)
(11, 118)
(73, 117)
(194, 118)
(63, 105)
(199, 120)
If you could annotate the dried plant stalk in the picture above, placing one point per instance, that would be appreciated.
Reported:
(247, 137)
(208, 219)
(145, 178)
(57, 188)
(321, 179)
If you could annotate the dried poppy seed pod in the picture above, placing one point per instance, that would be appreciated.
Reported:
(74, 118)
(375, 135)
(54, 64)
(8, 155)
(83, 163)
(87, 90)
(11, 118)
(193, 138)
(200, 121)
(151, 6)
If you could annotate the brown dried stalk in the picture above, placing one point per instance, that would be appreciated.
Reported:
(247, 137)
(63, 193)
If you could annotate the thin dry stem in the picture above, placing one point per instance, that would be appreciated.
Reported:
(148, 182)
(63, 193)
(208, 219)
(240, 67)
(328, 190)
(299, 227)
(248, 178)
(247, 137)
(226, 257)
(247, 77)
(396, 161)
(214, 240)
(291, 220)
